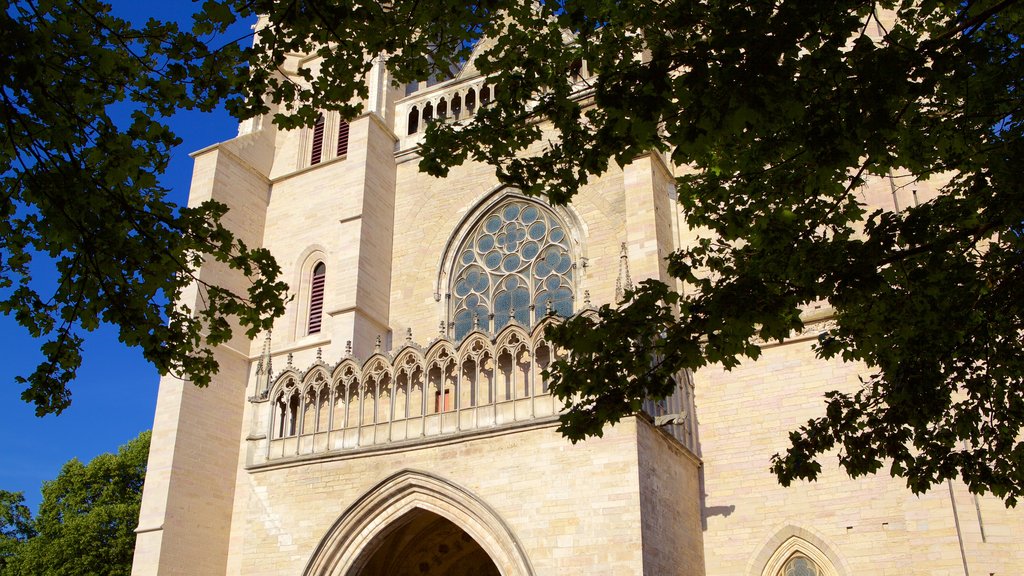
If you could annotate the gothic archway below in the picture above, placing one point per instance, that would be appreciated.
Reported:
(422, 543)
(411, 501)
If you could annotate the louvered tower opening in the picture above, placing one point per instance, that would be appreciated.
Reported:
(342, 138)
(316, 153)
(316, 298)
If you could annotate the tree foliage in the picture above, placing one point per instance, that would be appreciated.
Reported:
(86, 522)
(84, 102)
(783, 110)
(15, 525)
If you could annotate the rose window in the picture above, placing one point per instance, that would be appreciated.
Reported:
(515, 263)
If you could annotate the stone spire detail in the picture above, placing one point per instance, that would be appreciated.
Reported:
(624, 283)
(264, 369)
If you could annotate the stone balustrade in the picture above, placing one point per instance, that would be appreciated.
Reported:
(447, 102)
(419, 393)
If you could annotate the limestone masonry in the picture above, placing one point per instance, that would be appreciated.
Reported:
(396, 420)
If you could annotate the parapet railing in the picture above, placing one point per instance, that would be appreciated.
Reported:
(418, 393)
(450, 102)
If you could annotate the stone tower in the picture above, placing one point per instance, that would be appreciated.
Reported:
(396, 421)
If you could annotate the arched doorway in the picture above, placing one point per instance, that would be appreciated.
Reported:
(406, 509)
(422, 543)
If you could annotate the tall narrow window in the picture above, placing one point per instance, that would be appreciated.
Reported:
(316, 152)
(316, 298)
(414, 120)
(514, 264)
(342, 138)
(456, 106)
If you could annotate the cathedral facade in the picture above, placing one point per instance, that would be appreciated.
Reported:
(396, 421)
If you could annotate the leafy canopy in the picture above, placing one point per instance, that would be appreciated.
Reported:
(86, 522)
(15, 525)
(84, 102)
(783, 110)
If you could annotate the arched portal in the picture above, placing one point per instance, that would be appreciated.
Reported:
(422, 543)
(387, 519)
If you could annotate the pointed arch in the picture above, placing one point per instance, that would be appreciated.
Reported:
(413, 122)
(285, 399)
(474, 345)
(315, 376)
(361, 528)
(792, 543)
(478, 210)
(288, 377)
(509, 261)
(439, 352)
(303, 275)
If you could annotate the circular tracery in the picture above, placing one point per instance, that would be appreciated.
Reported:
(516, 262)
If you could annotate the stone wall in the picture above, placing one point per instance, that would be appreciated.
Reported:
(868, 525)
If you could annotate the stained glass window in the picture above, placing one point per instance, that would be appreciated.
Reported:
(515, 262)
(801, 566)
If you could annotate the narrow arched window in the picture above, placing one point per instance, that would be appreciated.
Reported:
(470, 100)
(414, 120)
(456, 106)
(342, 138)
(293, 414)
(576, 69)
(485, 95)
(316, 151)
(428, 113)
(515, 264)
(316, 298)
(442, 109)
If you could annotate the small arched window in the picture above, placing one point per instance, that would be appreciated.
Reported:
(800, 565)
(442, 109)
(456, 106)
(515, 263)
(576, 69)
(414, 120)
(316, 298)
(470, 100)
(342, 138)
(316, 151)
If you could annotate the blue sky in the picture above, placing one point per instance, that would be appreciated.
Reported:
(114, 393)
